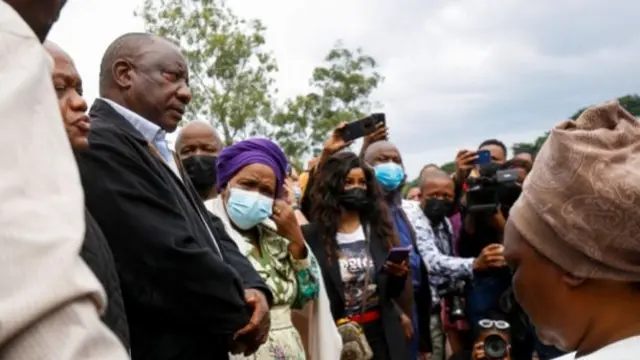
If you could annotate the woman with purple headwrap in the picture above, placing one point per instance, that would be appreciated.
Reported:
(250, 179)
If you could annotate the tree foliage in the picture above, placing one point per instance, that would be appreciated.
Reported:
(231, 77)
(230, 73)
(340, 91)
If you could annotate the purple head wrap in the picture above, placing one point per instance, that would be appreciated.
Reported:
(252, 151)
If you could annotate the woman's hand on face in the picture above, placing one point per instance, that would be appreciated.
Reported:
(289, 193)
(285, 218)
(396, 269)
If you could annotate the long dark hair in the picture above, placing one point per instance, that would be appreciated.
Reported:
(325, 209)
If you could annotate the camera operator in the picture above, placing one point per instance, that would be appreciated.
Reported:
(447, 272)
(483, 213)
(494, 339)
(492, 343)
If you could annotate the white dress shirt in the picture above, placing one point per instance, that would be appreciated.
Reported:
(49, 299)
(150, 131)
(627, 349)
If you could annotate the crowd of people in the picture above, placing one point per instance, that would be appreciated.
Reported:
(116, 246)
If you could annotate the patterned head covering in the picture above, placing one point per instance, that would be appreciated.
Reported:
(252, 151)
(580, 205)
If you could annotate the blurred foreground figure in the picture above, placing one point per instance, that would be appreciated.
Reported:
(49, 299)
(573, 237)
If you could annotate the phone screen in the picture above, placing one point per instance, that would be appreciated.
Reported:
(484, 157)
(398, 254)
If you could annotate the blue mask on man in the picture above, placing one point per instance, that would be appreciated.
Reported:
(248, 208)
(390, 175)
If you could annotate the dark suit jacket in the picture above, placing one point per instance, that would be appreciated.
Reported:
(97, 254)
(389, 288)
(184, 300)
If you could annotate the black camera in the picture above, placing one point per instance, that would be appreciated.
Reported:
(453, 294)
(484, 192)
(494, 335)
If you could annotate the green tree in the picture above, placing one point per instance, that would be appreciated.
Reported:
(340, 91)
(230, 73)
(449, 167)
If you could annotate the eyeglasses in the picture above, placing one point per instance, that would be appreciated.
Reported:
(488, 324)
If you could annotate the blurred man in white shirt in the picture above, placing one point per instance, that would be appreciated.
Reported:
(49, 299)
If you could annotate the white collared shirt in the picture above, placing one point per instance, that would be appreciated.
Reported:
(626, 349)
(150, 131)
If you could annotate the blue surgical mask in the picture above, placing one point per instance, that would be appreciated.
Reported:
(390, 175)
(248, 208)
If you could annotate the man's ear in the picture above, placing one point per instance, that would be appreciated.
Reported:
(121, 71)
(572, 280)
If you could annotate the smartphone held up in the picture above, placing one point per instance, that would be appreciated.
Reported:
(362, 127)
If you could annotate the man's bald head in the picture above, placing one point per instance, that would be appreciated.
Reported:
(436, 184)
(432, 173)
(198, 138)
(428, 169)
(127, 46)
(382, 151)
(148, 75)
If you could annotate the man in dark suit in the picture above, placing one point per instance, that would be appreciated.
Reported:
(189, 293)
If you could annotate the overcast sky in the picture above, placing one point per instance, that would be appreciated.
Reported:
(457, 71)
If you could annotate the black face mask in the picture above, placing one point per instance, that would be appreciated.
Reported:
(202, 171)
(437, 209)
(354, 199)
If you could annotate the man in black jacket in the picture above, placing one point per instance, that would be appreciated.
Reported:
(189, 293)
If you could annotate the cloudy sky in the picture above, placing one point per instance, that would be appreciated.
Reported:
(457, 71)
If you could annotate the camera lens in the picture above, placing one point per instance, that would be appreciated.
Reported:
(495, 348)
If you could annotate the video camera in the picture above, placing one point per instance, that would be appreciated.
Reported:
(483, 191)
(453, 294)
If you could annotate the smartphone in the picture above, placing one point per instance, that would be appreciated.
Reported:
(399, 254)
(363, 127)
(484, 157)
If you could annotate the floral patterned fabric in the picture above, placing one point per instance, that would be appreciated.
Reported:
(293, 284)
(436, 250)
